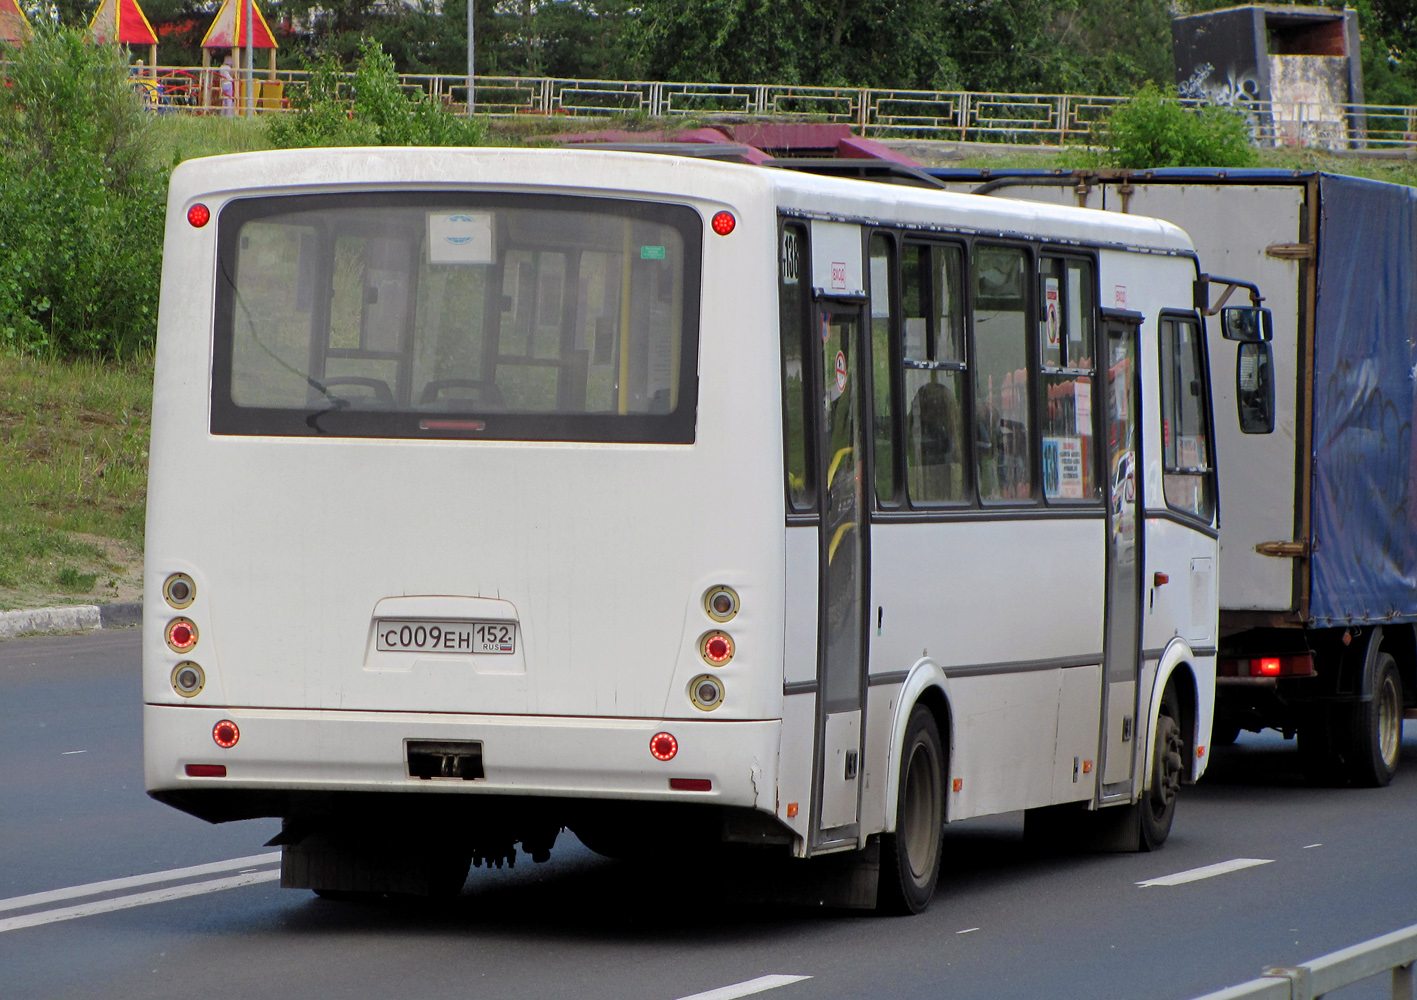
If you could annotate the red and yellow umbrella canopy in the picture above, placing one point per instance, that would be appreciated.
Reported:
(229, 30)
(122, 21)
(14, 26)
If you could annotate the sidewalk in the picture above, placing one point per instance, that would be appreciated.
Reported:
(70, 618)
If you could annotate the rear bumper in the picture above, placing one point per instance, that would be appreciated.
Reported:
(584, 758)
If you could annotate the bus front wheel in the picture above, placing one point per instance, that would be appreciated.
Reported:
(910, 856)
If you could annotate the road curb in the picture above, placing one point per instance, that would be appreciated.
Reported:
(71, 618)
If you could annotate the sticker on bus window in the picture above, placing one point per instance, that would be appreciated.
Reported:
(651, 253)
(1062, 468)
(789, 257)
(840, 371)
(1054, 317)
(459, 238)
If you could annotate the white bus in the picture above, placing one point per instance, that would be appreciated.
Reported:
(673, 502)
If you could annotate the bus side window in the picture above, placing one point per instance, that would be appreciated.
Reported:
(1003, 435)
(793, 301)
(882, 367)
(1187, 479)
(1065, 339)
(934, 373)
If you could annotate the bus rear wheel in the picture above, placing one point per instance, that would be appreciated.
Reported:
(1158, 805)
(910, 856)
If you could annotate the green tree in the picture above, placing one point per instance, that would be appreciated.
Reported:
(1152, 130)
(382, 112)
(81, 206)
(883, 43)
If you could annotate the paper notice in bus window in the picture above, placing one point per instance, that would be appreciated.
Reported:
(459, 238)
(1082, 407)
(1062, 468)
(1188, 451)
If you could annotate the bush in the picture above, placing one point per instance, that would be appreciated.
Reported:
(81, 206)
(1151, 130)
(383, 115)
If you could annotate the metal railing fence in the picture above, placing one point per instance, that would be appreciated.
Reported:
(1056, 119)
(1392, 953)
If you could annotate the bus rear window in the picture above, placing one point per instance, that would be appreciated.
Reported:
(506, 317)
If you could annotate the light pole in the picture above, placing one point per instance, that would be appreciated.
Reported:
(471, 5)
(250, 62)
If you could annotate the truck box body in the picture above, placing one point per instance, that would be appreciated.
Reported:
(1318, 546)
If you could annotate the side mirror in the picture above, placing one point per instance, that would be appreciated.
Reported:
(1247, 324)
(1254, 387)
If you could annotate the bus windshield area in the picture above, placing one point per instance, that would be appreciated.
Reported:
(453, 314)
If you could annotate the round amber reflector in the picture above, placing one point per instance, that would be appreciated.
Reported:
(706, 692)
(724, 223)
(181, 634)
(188, 679)
(226, 734)
(179, 590)
(721, 603)
(663, 746)
(199, 215)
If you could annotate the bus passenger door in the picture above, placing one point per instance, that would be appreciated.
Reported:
(842, 562)
(1122, 628)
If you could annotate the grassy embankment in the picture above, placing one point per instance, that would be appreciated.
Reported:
(73, 435)
(73, 450)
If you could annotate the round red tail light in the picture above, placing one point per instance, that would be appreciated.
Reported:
(663, 746)
(716, 648)
(181, 634)
(199, 215)
(226, 734)
(724, 223)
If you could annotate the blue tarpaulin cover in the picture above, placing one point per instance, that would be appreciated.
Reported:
(1364, 513)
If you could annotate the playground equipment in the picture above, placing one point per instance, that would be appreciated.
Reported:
(230, 32)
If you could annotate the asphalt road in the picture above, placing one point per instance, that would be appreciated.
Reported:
(1341, 867)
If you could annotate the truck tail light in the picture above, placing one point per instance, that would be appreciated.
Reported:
(1291, 665)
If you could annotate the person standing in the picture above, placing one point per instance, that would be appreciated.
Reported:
(226, 77)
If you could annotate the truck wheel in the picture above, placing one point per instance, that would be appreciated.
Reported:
(1374, 734)
(1158, 805)
(910, 856)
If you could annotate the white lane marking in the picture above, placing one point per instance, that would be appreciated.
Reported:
(1209, 871)
(136, 899)
(967, 930)
(746, 988)
(113, 884)
(69, 753)
(1307, 846)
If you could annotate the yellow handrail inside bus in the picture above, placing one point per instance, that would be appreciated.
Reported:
(624, 379)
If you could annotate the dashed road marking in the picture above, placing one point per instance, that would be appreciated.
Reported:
(747, 988)
(1209, 871)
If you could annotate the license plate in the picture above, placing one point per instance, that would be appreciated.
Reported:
(424, 635)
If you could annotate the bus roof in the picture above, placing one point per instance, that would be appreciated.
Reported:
(656, 175)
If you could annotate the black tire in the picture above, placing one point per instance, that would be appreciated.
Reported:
(1372, 740)
(910, 855)
(1158, 803)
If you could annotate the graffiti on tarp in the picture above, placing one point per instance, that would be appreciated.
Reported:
(1239, 89)
(1364, 476)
